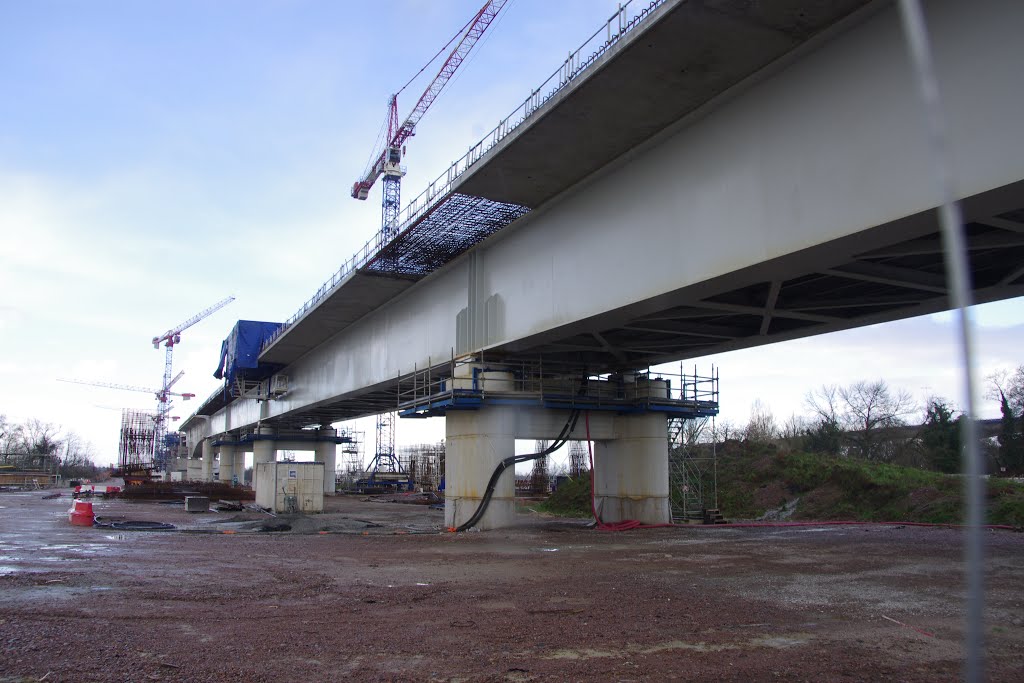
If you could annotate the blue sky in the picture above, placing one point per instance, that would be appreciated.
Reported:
(158, 156)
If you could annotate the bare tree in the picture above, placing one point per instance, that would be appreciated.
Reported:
(12, 439)
(1008, 389)
(761, 427)
(1008, 385)
(869, 407)
(851, 420)
(794, 427)
(41, 438)
(824, 403)
(727, 431)
(76, 457)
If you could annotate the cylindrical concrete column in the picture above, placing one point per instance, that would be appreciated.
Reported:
(263, 450)
(194, 470)
(206, 473)
(227, 463)
(631, 471)
(327, 453)
(476, 441)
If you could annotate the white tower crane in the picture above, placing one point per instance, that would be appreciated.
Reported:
(169, 339)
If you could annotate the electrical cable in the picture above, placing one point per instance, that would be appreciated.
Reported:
(560, 440)
(133, 525)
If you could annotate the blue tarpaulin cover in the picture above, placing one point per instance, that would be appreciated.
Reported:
(239, 353)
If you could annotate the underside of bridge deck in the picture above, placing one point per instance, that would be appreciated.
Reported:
(892, 271)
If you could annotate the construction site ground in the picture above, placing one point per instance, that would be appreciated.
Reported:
(377, 591)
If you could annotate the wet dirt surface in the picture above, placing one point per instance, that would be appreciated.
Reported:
(376, 592)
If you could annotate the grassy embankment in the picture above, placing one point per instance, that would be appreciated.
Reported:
(829, 488)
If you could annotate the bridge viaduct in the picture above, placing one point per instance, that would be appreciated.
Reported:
(714, 175)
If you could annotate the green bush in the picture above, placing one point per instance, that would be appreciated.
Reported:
(570, 499)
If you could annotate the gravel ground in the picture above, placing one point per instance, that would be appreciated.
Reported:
(375, 591)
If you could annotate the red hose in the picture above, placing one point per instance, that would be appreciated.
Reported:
(628, 524)
(624, 525)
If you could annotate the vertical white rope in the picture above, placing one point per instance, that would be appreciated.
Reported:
(955, 253)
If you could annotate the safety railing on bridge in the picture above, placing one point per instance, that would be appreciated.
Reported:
(470, 381)
(578, 61)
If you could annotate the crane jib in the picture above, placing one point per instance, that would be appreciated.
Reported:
(398, 135)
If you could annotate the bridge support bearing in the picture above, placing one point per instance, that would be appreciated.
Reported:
(206, 471)
(631, 479)
(476, 441)
(228, 454)
(327, 453)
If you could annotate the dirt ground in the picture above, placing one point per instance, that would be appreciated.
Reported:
(386, 595)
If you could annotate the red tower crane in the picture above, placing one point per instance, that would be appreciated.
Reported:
(386, 161)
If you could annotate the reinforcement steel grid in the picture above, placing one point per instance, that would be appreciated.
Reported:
(452, 226)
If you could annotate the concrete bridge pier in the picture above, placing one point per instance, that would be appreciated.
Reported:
(631, 471)
(206, 471)
(228, 455)
(475, 442)
(630, 454)
(326, 451)
(264, 448)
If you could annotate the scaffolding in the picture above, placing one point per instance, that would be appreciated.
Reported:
(425, 464)
(468, 382)
(351, 458)
(540, 480)
(692, 470)
(578, 459)
(137, 448)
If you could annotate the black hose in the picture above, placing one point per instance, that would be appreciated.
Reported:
(133, 525)
(142, 526)
(560, 440)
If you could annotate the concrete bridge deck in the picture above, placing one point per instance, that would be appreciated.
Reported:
(719, 177)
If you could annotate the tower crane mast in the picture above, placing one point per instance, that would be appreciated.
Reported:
(386, 162)
(173, 336)
(169, 339)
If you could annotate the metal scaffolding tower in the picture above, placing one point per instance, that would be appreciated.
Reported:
(578, 460)
(692, 469)
(539, 478)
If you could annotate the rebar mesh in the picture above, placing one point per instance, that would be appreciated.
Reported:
(138, 439)
(425, 464)
(452, 226)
